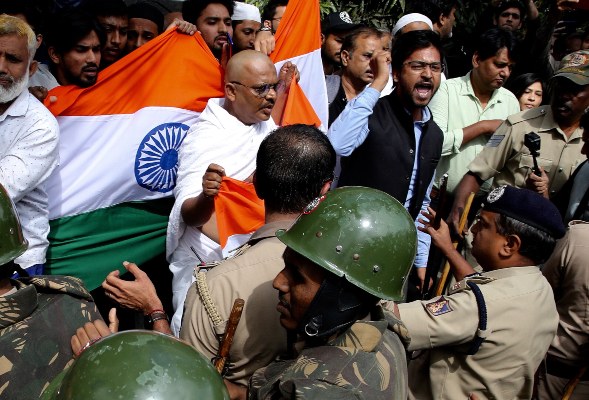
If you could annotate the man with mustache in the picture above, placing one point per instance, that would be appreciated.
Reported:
(470, 108)
(338, 264)
(223, 142)
(489, 334)
(507, 159)
(73, 43)
(213, 20)
(357, 50)
(334, 27)
(566, 271)
(28, 139)
(392, 143)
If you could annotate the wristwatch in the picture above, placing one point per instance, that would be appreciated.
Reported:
(264, 29)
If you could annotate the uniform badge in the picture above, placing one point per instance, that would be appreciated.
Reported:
(495, 194)
(439, 307)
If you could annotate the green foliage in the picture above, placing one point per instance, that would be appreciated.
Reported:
(378, 13)
(385, 13)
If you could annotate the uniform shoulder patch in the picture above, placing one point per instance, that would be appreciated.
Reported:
(495, 140)
(527, 115)
(439, 307)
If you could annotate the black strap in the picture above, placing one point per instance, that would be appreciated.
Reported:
(481, 305)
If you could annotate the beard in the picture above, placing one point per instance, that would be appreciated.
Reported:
(7, 94)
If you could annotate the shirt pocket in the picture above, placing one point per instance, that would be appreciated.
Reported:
(526, 165)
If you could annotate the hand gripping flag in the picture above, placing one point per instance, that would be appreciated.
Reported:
(239, 212)
(110, 198)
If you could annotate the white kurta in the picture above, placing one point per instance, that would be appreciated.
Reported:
(220, 138)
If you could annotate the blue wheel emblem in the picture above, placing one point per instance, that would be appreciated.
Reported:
(156, 163)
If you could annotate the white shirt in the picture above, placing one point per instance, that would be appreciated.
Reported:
(43, 77)
(29, 137)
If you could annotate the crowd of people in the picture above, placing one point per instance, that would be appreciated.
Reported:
(426, 159)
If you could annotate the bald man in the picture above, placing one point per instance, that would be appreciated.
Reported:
(223, 142)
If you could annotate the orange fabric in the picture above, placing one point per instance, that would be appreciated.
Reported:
(299, 31)
(173, 70)
(238, 209)
(297, 109)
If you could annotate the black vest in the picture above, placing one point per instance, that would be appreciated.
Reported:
(385, 160)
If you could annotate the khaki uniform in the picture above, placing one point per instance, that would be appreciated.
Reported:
(37, 322)
(259, 337)
(567, 273)
(521, 322)
(367, 361)
(507, 159)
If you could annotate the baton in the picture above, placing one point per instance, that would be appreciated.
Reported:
(227, 339)
(429, 271)
(461, 225)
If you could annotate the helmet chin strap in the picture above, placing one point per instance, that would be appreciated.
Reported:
(337, 305)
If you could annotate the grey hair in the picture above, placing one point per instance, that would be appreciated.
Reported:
(10, 25)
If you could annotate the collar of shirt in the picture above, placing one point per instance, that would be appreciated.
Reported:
(548, 124)
(467, 90)
(512, 271)
(19, 106)
(426, 115)
(269, 230)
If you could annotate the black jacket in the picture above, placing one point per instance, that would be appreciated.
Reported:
(385, 160)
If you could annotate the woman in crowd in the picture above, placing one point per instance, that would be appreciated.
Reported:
(529, 90)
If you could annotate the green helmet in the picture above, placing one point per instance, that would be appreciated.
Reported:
(360, 233)
(139, 365)
(12, 241)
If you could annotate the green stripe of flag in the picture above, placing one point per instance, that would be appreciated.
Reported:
(91, 245)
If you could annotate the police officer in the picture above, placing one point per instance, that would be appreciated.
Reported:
(142, 365)
(330, 283)
(38, 315)
(567, 273)
(509, 161)
(347, 250)
(490, 333)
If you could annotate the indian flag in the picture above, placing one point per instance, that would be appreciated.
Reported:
(298, 39)
(110, 198)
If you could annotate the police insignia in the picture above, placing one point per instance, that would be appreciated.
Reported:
(439, 307)
(313, 205)
(495, 140)
(495, 194)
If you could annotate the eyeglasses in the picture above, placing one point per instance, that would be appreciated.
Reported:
(508, 14)
(261, 90)
(419, 66)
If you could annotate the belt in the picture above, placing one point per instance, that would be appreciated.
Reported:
(556, 367)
